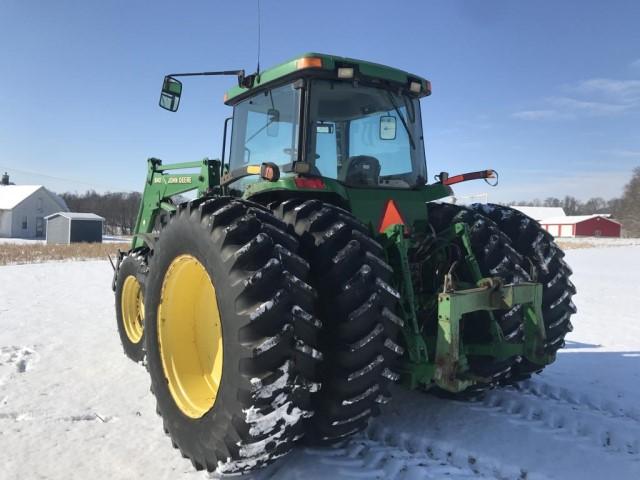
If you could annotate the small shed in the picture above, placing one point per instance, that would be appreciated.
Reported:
(582, 226)
(72, 227)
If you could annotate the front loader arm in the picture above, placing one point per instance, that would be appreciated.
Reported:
(161, 186)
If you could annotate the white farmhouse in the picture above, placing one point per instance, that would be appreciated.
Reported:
(23, 209)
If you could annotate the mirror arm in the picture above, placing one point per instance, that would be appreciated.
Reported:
(239, 73)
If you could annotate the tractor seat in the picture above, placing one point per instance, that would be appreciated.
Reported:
(360, 170)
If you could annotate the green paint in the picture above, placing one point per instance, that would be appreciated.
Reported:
(397, 247)
(367, 204)
(451, 354)
(329, 63)
(161, 186)
(438, 358)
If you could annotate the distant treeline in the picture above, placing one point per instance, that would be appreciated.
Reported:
(119, 209)
(625, 209)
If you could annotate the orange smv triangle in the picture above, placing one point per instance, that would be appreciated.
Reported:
(391, 216)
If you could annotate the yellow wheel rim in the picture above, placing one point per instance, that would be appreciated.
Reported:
(132, 305)
(190, 336)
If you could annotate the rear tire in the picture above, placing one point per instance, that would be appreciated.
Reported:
(538, 248)
(496, 257)
(356, 305)
(129, 302)
(254, 397)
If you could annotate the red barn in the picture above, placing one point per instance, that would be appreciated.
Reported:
(582, 226)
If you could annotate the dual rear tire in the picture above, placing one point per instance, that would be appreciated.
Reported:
(510, 245)
(357, 305)
(237, 356)
(545, 259)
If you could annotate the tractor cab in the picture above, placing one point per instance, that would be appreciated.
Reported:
(344, 130)
(345, 120)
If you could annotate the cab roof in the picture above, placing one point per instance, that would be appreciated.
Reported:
(323, 65)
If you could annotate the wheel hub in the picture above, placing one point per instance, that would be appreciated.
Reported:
(190, 336)
(132, 309)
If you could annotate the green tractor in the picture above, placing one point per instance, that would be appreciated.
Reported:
(314, 269)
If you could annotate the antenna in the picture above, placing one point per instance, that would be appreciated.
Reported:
(258, 68)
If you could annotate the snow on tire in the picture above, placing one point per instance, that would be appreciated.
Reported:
(356, 304)
(261, 302)
(496, 257)
(539, 249)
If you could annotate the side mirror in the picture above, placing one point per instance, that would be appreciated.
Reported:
(387, 127)
(170, 95)
(273, 122)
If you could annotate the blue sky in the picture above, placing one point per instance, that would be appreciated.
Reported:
(546, 92)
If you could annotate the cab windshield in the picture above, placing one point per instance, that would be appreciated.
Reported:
(265, 129)
(365, 136)
(362, 136)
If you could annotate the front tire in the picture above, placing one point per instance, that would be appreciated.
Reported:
(129, 303)
(224, 299)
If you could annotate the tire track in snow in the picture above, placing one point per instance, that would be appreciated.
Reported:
(386, 454)
(594, 428)
(15, 416)
(606, 407)
(443, 453)
(364, 458)
(87, 417)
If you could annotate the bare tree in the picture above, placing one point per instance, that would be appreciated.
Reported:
(119, 209)
(629, 212)
(625, 209)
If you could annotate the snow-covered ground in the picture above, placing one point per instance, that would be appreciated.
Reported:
(21, 241)
(34, 241)
(73, 407)
(582, 242)
(127, 239)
